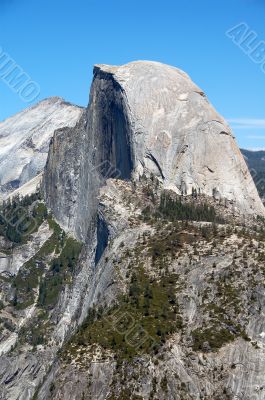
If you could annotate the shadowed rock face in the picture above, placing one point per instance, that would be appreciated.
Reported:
(178, 136)
(112, 126)
(145, 118)
(81, 158)
(25, 137)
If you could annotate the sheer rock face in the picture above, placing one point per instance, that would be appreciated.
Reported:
(145, 118)
(25, 137)
(177, 135)
(134, 125)
(80, 158)
(66, 178)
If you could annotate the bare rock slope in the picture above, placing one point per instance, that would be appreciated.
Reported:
(146, 118)
(175, 133)
(157, 295)
(25, 137)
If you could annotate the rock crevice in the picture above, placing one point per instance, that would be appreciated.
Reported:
(137, 123)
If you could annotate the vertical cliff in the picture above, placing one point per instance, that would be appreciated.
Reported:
(144, 118)
(25, 137)
(82, 158)
(165, 290)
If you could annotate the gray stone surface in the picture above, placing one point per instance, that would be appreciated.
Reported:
(175, 133)
(236, 371)
(25, 137)
(145, 118)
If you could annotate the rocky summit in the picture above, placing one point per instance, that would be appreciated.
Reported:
(24, 142)
(146, 118)
(131, 247)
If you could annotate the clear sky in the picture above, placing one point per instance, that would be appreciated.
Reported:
(56, 42)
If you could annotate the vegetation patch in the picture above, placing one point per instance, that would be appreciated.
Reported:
(211, 339)
(174, 208)
(60, 272)
(29, 275)
(139, 324)
(20, 217)
(42, 271)
(221, 318)
(36, 332)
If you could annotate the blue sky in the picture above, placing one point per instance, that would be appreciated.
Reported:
(56, 42)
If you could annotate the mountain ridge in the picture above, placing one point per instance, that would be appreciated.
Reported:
(24, 140)
(256, 163)
(136, 269)
(145, 118)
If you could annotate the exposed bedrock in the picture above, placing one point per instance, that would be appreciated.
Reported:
(24, 141)
(143, 118)
(81, 158)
